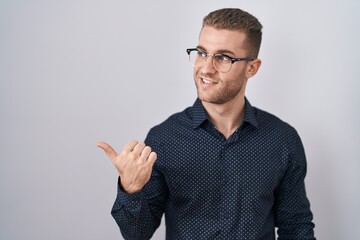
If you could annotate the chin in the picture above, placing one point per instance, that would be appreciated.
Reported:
(212, 100)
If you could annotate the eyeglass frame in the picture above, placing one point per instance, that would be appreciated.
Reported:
(233, 60)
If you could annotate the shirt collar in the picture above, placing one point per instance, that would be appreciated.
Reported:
(250, 115)
(199, 114)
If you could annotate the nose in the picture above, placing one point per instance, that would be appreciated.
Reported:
(208, 67)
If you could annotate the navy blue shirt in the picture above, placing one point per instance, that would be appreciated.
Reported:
(210, 187)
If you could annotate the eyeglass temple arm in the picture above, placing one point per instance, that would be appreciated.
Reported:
(241, 59)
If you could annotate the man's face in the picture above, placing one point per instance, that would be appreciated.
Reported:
(213, 86)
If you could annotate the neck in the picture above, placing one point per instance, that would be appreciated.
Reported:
(226, 117)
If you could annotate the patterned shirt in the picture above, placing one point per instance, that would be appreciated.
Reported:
(210, 187)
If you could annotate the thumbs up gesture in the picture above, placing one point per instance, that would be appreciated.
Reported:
(134, 164)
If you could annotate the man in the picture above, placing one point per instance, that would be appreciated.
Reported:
(221, 169)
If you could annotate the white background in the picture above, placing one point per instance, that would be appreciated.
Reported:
(76, 72)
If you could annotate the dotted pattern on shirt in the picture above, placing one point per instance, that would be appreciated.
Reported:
(215, 188)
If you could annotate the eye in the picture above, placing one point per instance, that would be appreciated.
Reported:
(201, 54)
(222, 58)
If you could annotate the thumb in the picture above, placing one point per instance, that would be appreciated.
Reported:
(112, 154)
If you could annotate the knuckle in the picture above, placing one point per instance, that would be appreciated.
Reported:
(123, 156)
(131, 156)
(146, 151)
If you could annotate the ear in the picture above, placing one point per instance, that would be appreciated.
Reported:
(252, 68)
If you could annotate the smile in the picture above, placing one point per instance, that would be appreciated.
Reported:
(207, 81)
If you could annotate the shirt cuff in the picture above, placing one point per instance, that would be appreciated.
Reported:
(128, 198)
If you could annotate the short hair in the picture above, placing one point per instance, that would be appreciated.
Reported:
(237, 19)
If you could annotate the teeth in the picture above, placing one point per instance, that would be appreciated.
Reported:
(207, 82)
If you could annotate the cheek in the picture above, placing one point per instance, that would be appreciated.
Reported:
(196, 71)
(237, 76)
(233, 79)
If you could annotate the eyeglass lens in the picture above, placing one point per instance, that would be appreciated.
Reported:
(220, 63)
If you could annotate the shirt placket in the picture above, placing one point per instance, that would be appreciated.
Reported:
(226, 210)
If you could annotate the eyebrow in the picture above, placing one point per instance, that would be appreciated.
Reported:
(222, 51)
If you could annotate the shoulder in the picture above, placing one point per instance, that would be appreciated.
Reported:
(280, 136)
(270, 121)
(177, 122)
(273, 127)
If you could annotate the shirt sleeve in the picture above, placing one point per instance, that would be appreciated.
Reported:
(139, 214)
(293, 216)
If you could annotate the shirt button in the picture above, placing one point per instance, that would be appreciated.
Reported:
(225, 180)
(224, 215)
(217, 234)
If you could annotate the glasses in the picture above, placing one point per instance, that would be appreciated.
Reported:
(221, 62)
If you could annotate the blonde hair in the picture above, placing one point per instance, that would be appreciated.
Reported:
(237, 19)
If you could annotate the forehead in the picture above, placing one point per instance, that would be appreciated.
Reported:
(213, 40)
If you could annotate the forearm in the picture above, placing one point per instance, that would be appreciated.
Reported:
(296, 224)
(138, 214)
(292, 207)
(134, 216)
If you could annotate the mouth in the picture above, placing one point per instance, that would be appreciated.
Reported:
(207, 81)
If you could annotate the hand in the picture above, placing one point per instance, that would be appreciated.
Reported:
(134, 164)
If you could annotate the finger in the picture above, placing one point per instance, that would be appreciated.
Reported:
(108, 149)
(138, 148)
(145, 152)
(152, 158)
(129, 147)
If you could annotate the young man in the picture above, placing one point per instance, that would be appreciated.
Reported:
(221, 169)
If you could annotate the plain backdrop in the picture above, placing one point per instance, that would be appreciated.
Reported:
(76, 72)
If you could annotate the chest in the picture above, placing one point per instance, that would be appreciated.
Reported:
(204, 165)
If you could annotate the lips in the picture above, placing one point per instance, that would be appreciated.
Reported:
(207, 81)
